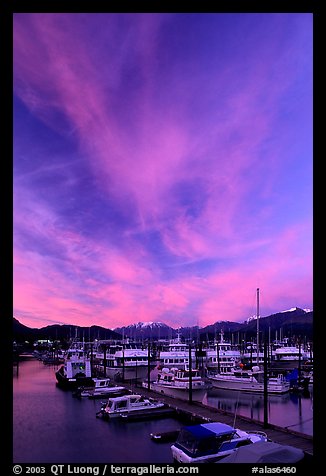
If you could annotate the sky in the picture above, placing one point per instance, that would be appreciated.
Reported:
(162, 167)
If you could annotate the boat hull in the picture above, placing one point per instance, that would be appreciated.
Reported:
(176, 392)
(247, 386)
(285, 364)
(107, 393)
(72, 383)
(141, 414)
(119, 374)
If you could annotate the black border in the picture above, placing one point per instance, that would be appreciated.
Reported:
(6, 235)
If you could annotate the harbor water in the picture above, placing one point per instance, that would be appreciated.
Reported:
(293, 410)
(50, 426)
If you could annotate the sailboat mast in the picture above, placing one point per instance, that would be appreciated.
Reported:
(257, 338)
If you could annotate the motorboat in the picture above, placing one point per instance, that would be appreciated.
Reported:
(101, 388)
(251, 355)
(123, 361)
(209, 442)
(266, 452)
(285, 354)
(177, 383)
(176, 354)
(131, 406)
(249, 380)
(222, 356)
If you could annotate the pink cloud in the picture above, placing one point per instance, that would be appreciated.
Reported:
(141, 158)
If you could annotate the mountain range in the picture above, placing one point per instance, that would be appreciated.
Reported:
(294, 323)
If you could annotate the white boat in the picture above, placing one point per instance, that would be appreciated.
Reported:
(176, 354)
(122, 361)
(287, 354)
(209, 442)
(251, 380)
(76, 370)
(131, 405)
(101, 388)
(250, 355)
(222, 356)
(176, 382)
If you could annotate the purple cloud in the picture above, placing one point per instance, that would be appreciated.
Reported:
(153, 163)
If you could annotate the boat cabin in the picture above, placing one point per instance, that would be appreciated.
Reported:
(207, 442)
(116, 406)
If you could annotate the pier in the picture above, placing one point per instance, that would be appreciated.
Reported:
(200, 413)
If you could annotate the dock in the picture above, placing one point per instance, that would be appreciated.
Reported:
(200, 413)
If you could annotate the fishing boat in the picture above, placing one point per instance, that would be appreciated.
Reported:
(251, 380)
(177, 383)
(76, 370)
(134, 406)
(209, 442)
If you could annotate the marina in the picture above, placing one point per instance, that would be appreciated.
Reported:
(162, 260)
(50, 425)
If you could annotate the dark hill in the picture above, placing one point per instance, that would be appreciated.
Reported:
(296, 324)
(63, 332)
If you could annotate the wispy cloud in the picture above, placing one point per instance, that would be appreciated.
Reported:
(158, 184)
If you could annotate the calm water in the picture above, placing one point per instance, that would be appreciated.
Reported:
(50, 426)
(292, 410)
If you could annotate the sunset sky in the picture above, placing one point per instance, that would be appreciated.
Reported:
(162, 167)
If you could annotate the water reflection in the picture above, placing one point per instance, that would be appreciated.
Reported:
(290, 410)
(50, 426)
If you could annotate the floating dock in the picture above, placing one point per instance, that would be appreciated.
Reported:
(200, 413)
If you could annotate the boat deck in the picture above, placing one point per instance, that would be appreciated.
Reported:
(204, 413)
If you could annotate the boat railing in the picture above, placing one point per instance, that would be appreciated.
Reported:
(257, 432)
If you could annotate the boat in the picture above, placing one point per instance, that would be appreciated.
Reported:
(209, 442)
(133, 405)
(250, 380)
(287, 355)
(101, 388)
(122, 361)
(76, 370)
(177, 383)
(266, 452)
(176, 354)
(165, 436)
(251, 355)
(308, 372)
(222, 356)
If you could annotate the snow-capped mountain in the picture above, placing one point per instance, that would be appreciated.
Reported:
(295, 310)
(146, 329)
(294, 322)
